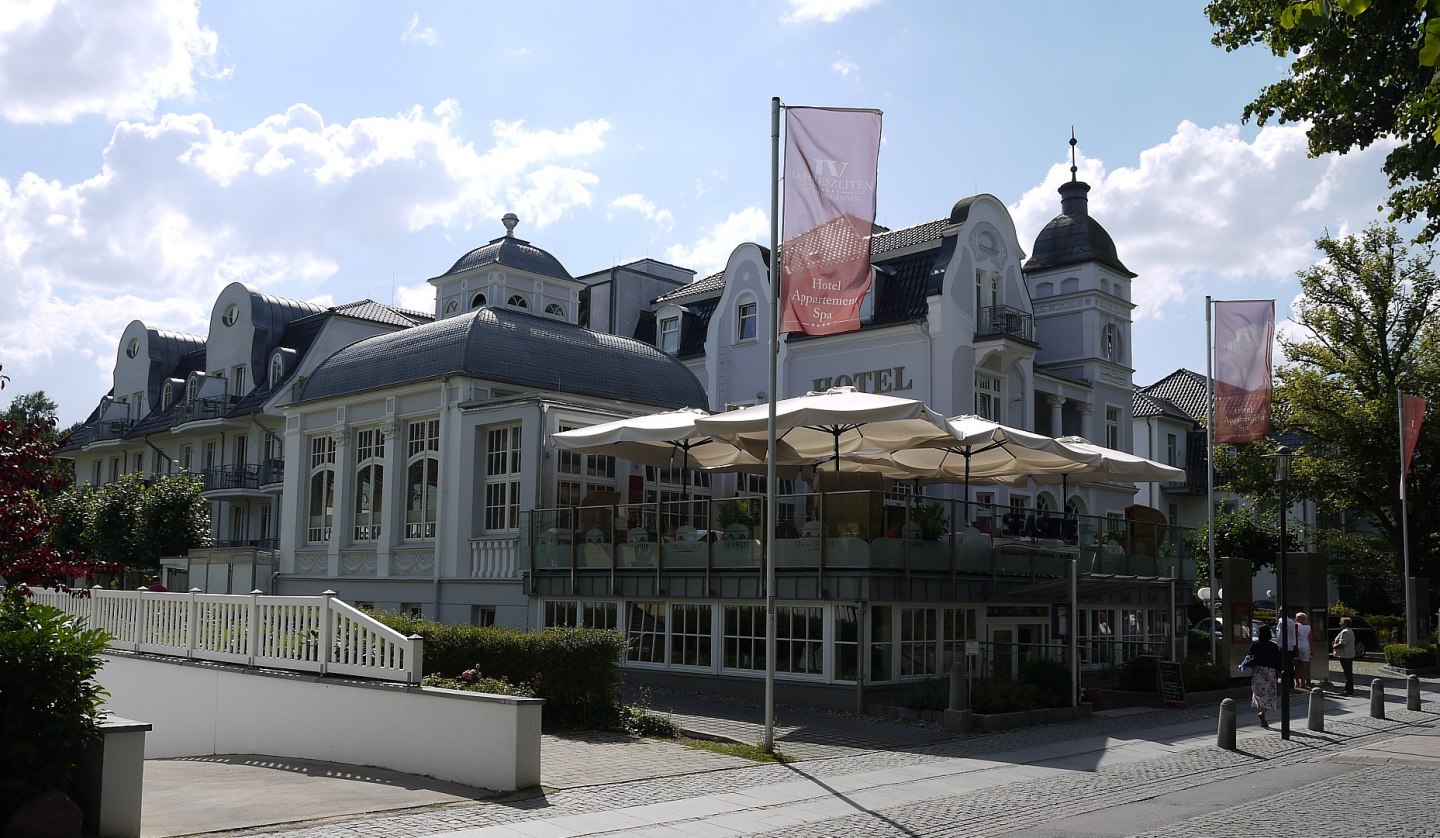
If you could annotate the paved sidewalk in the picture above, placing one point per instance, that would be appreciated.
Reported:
(857, 777)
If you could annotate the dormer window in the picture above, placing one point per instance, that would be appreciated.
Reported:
(745, 320)
(518, 301)
(132, 348)
(231, 315)
(477, 301)
(555, 310)
(277, 368)
(670, 334)
(451, 307)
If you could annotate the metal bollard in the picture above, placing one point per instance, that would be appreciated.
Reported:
(1377, 699)
(1225, 735)
(1412, 692)
(1317, 709)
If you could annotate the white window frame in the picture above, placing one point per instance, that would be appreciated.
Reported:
(667, 337)
(747, 312)
(369, 471)
(989, 395)
(503, 470)
(422, 494)
(1112, 427)
(320, 503)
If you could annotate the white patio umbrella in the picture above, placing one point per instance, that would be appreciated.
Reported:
(666, 440)
(1104, 465)
(828, 424)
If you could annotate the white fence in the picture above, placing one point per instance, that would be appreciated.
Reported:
(306, 633)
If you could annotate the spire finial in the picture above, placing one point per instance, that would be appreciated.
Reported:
(509, 220)
(1073, 168)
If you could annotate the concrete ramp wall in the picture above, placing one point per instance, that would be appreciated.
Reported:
(200, 709)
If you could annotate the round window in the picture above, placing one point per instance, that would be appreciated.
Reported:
(132, 348)
(232, 313)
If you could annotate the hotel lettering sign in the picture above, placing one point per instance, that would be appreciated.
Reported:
(888, 380)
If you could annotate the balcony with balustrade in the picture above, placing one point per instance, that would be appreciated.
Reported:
(208, 409)
(237, 480)
(1005, 322)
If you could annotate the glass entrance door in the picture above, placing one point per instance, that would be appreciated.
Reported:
(1014, 642)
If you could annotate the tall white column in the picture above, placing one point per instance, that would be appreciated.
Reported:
(1057, 427)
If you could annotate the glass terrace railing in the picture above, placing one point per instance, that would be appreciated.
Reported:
(861, 530)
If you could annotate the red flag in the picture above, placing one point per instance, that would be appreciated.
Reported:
(1244, 330)
(1412, 416)
(832, 160)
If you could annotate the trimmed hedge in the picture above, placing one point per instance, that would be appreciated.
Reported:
(576, 670)
(1410, 657)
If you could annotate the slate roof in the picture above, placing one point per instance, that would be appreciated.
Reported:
(1143, 405)
(1073, 236)
(512, 253)
(511, 347)
(712, 284)
(381, 313)
(1188, 391)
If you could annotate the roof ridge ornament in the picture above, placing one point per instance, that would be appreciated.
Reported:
(510, 219)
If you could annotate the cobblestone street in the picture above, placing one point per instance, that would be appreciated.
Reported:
(1154, 773)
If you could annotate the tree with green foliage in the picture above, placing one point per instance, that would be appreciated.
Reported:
(1360, 73)
(1370, 312)
(133, 521)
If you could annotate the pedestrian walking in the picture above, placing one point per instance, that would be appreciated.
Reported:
(1302, 650)
(1344, 648)
(1264, 663)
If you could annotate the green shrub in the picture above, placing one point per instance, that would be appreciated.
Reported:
(51, 699)
(636, 718)
(1340, 609)
(576, 670)
(1139, 675)
(1197, 642)
(1200, 674)
(1409, 657)
(927, 695)
(1001, 695)
(1050, 679)
(1388, 628)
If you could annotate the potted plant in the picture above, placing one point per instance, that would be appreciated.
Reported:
(931, 519)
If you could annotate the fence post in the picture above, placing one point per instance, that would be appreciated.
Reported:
(252, 628)
(142, 618)
(327, 630)
(95, 609)
(192, 612)
(415, 659)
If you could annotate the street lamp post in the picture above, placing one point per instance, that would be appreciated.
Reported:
(1282, 475)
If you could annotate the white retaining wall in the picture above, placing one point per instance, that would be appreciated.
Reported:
(200, 709)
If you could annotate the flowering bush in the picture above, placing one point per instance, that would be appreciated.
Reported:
(472, 681)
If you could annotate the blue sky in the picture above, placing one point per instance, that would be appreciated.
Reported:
(152, 151)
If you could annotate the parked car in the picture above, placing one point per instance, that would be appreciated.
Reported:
(1365, 638)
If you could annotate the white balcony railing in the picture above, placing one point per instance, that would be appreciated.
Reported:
(305, 633)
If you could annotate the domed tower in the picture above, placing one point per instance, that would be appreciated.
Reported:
(1081, 292)
(508, 272)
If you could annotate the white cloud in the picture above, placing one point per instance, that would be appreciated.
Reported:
(844, 66)
(418, 297)
(62, 59)
(181, 207)
(414, 34)
(712, 251)
(825, 11)
(635, 202)
(1207, 211)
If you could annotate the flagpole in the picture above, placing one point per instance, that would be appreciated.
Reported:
(771, 478)
(1210, 478)
(1410, 635)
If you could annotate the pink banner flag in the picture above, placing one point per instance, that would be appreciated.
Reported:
(1244, 331)
(1412, 416)
(832, 162)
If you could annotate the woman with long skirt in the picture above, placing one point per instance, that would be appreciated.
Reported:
(1264, 679)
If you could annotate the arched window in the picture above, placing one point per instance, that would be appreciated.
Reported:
(322, 489)
(555, 310)
(277, 368)
(518, 301)
(369, 483)
(451, 307)
(132, 348)
(422, 478)
(477, 301)
(232, 314)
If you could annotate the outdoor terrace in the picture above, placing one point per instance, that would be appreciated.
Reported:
(850, 532)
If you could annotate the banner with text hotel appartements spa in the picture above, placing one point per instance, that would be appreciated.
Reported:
(832, 161)
(1244, 332)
